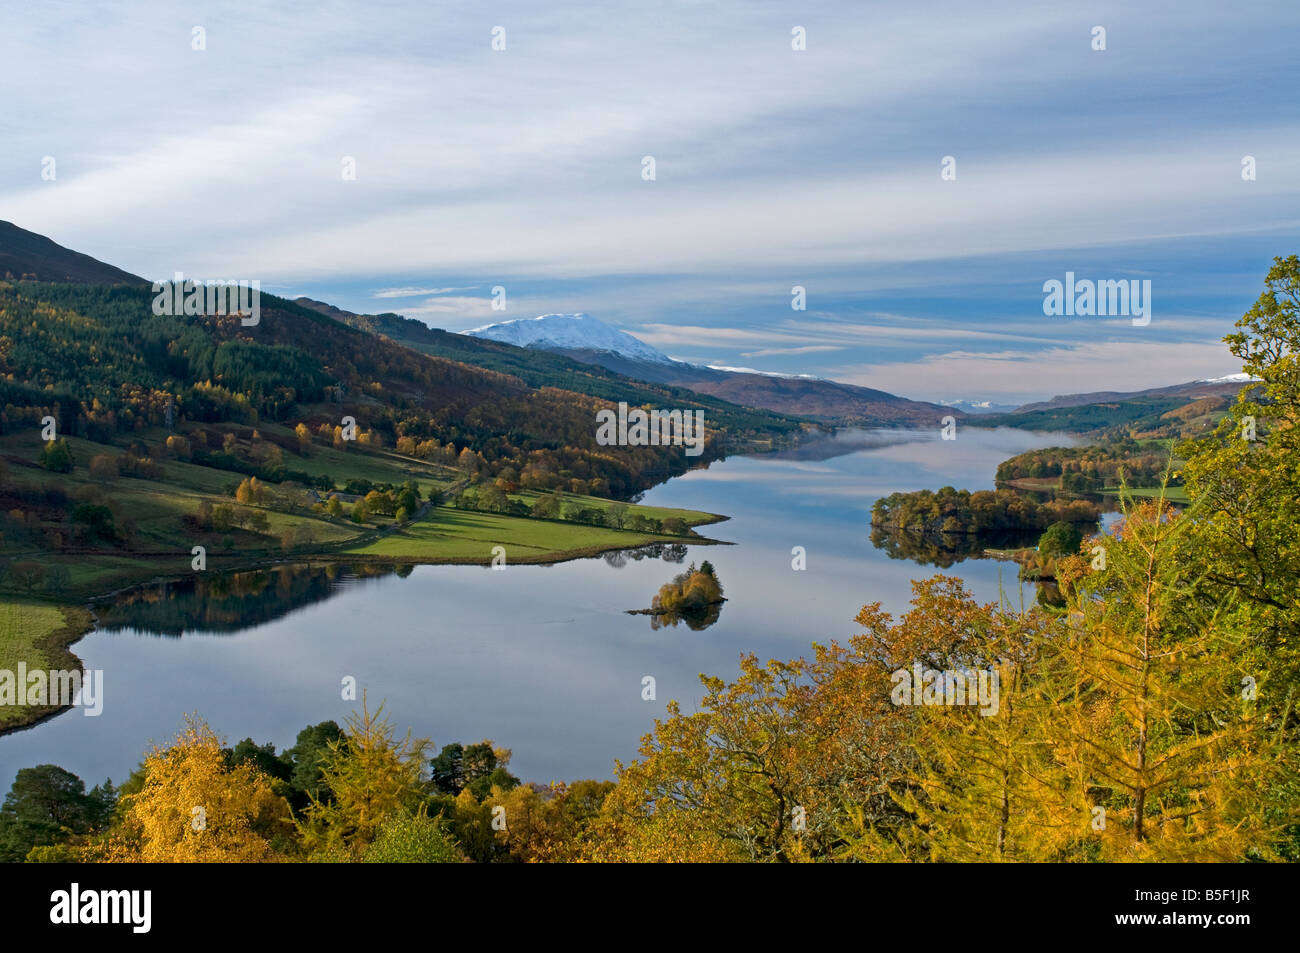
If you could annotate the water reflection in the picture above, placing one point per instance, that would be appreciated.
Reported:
(668, 552)
(696, 619)
(943, 550)
(226, 603)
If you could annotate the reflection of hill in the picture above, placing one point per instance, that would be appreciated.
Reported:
(222, 603)
(943, 550)
(845, 442)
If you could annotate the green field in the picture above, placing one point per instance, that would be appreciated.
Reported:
(49, 562)
(689, 517)
(159, 510)
(450, 535)
(37, 635)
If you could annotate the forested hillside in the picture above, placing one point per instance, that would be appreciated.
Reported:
(1138, 417)
(1089, 469)
(539, 368)
(98, 360)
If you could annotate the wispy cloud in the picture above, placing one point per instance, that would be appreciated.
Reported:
(806, 349)
(414, 292)
(451, 312)
(1009, 374)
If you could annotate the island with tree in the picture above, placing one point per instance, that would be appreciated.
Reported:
(694, 597)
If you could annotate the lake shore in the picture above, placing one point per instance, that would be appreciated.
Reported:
(49, 646)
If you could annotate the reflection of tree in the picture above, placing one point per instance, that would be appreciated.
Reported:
(1049, 594)
(221, 603)
(696, 619)
(668, 552)
(944, 549)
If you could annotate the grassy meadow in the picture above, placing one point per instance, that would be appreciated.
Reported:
(50, 564)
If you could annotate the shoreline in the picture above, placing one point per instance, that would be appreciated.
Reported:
(80, 619)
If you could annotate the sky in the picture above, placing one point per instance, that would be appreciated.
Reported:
(523, 168)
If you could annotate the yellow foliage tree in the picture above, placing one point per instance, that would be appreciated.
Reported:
(194, 808)
(368, 775)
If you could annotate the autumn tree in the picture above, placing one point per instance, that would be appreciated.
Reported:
(251, 490)
(1246, 482)
(721, 784)
(413, 838)
(971, 787)
(193, 807)
(371, 775)
(551, 823)
(1154, 718)
(56, 456)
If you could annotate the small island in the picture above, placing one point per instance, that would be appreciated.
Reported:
(982, 512)
(694, 597)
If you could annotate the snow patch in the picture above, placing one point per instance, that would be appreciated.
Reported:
(1228, 379)
(570, 332)
(750, 370)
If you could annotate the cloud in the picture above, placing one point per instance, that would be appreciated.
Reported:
(448, 311)
(688, 335)
(532, 167)
(414, 292)
(806, 349)
(1093, 366)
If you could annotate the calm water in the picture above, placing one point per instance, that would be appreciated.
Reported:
(541, 659)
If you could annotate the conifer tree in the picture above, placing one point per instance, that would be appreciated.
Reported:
(1160, 751)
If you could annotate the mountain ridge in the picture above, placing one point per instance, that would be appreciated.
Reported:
(817, 399)
(1217, 387)
(28, 255)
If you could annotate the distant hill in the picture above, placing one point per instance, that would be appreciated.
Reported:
(1192, 390)
(543, 368)
(25, 254)
(821, 400)
(980, 406)
(590, 341)
(1179, 410)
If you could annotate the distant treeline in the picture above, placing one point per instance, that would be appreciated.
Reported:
(1085, 469)
(984, 511)
(492, 498)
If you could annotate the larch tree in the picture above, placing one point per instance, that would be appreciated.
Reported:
(194, 808)
(1161, 750)
(370, 775)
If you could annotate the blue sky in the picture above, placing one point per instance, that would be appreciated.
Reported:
(774, 168)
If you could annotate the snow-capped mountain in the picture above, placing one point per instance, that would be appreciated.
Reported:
(571, 332)
(583, 338)
(1229, 379)
(979, 406)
